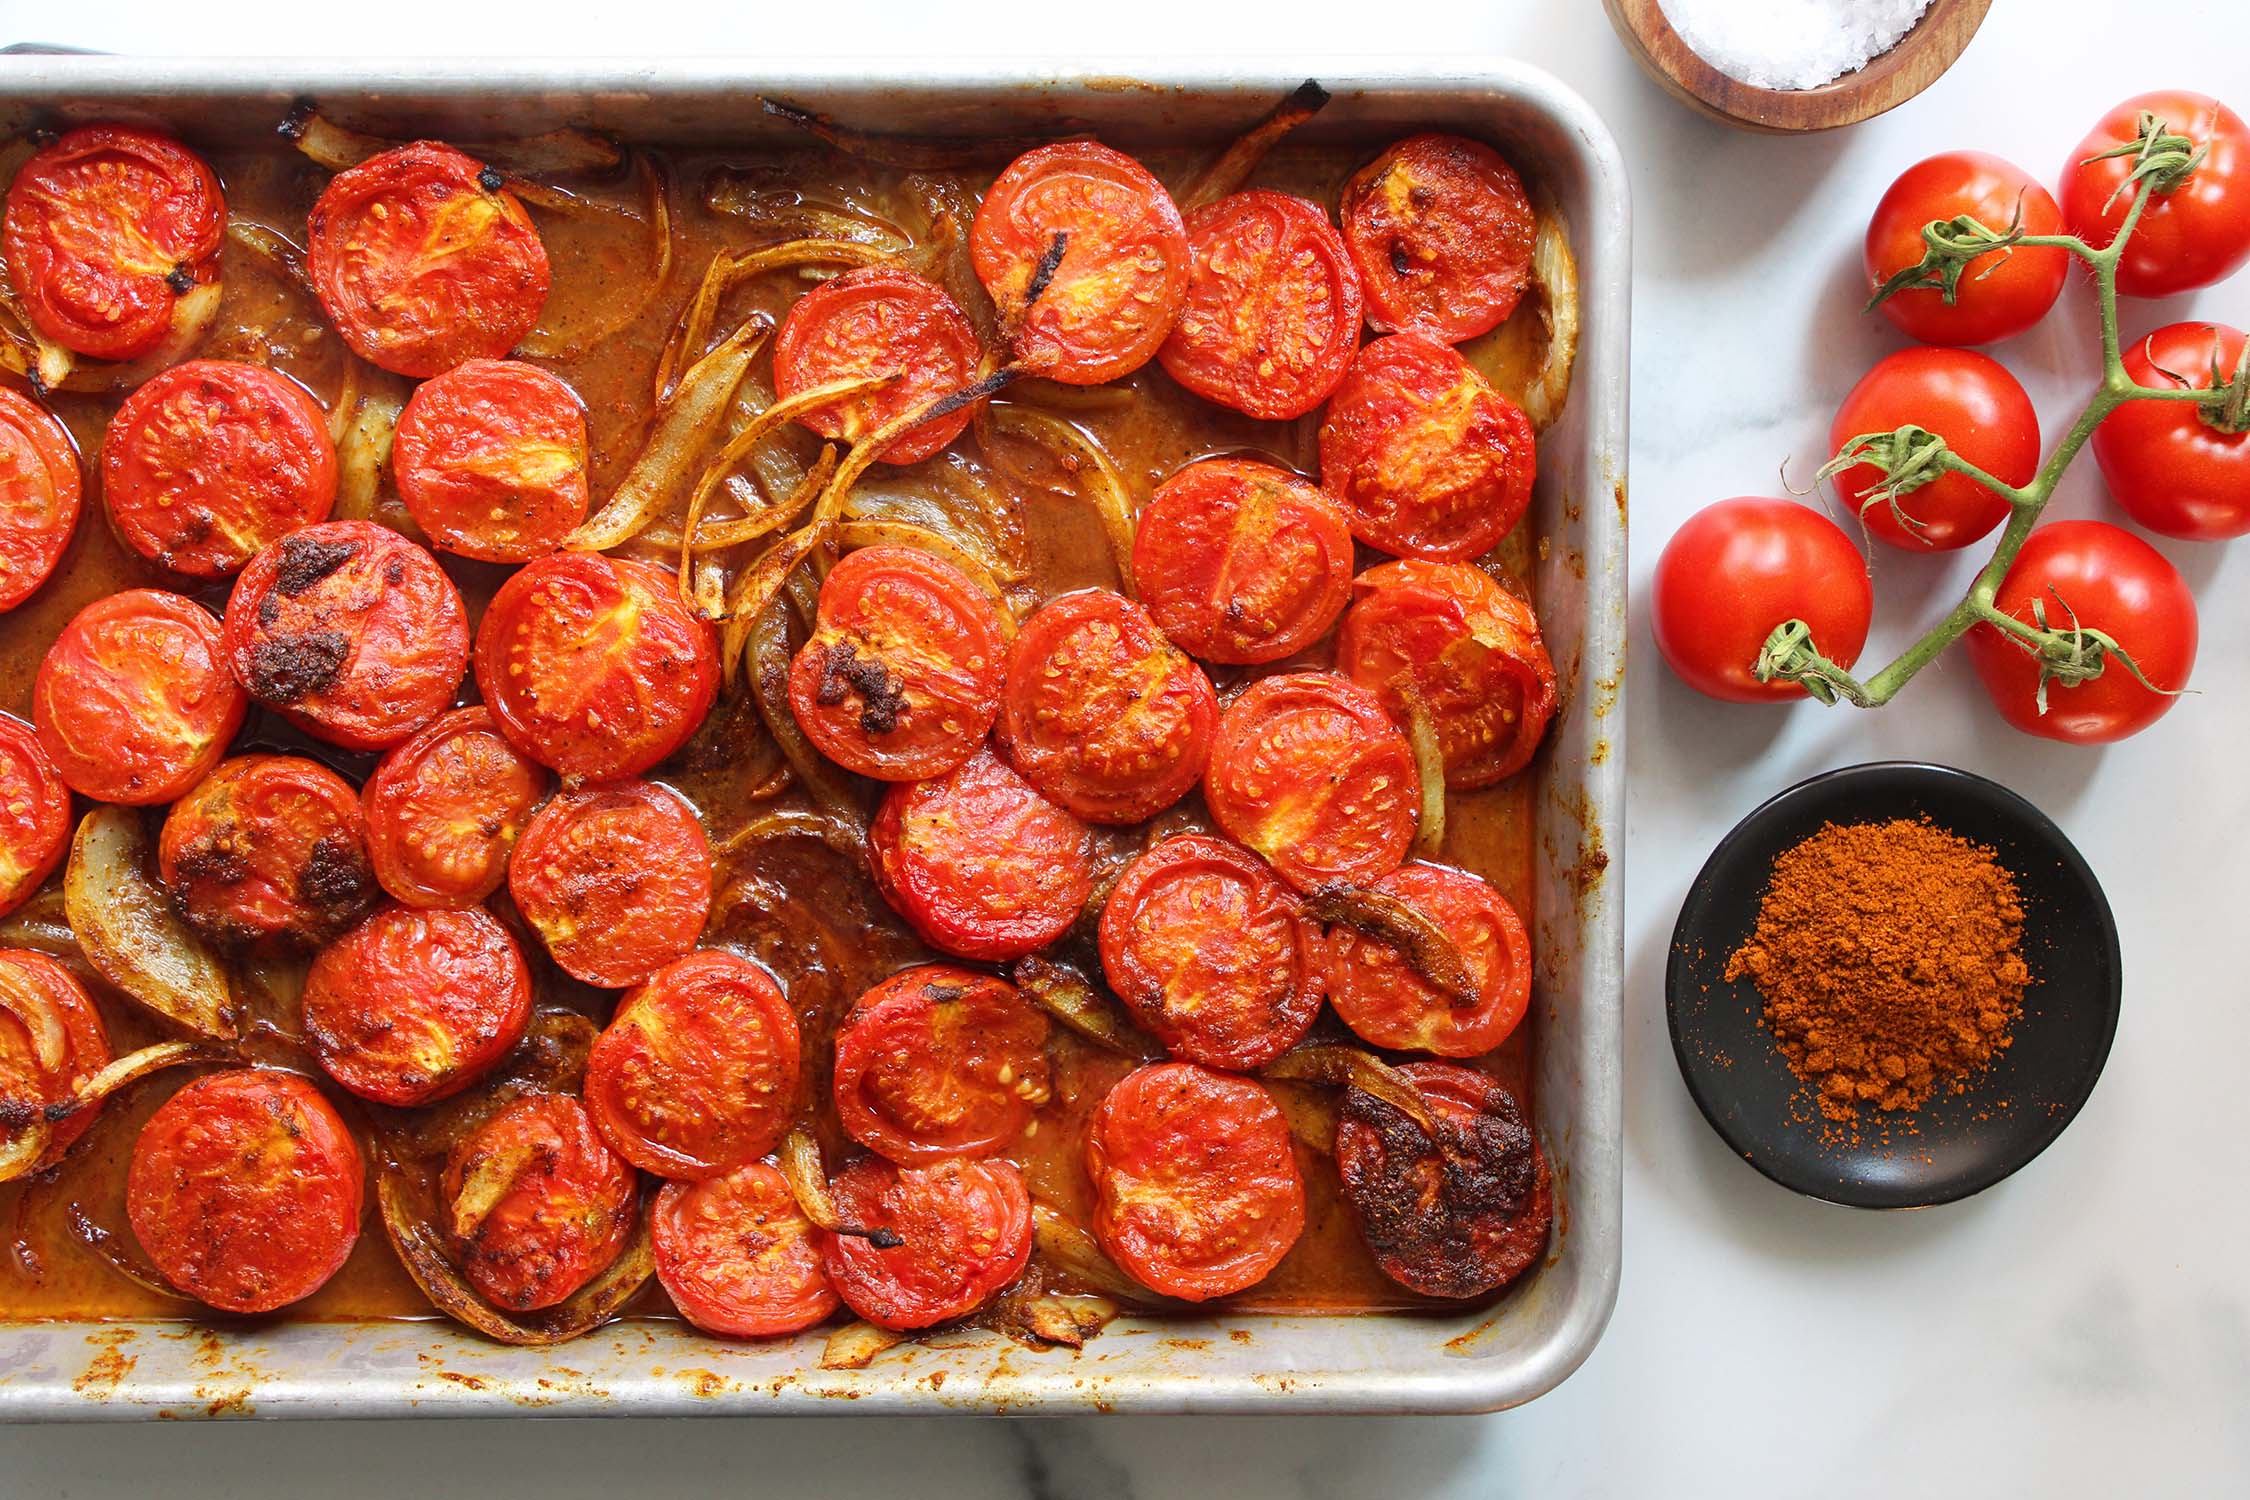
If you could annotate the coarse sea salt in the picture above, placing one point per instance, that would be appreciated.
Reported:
(1791, 44)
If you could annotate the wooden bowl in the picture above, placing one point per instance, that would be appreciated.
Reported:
(1884, 83)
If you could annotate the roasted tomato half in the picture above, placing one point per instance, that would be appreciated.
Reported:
(107, 229)
(423, 260)
(490, 458)
(593, 666)
(246, 1189)
(1273, 306)
(1427, 459)
(1196, 1188)
(697, 1072)
(937, 1062)
(268, 845)
(1242, 562)
(1378, 993)
(1441, 231)
(901, 678)
(537, 1205)
(878, 322)
(350, 631)
(51, 1041)
(214, 460)
(34, 814)
(981, 864)
(616, 879)
(1101, 712)
(445, 808)
(410, 1006)
(1466, 649)
(39, 492)
(964, 1229)
(1309, 772)
(134, 702)
(1206, 947)
(1085, 256)
(1458, 1216)
(737, 1256)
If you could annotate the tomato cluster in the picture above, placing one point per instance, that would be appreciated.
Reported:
(501, 846)
(1740, 570)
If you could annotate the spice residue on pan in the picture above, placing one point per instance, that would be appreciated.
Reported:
(1889, 956)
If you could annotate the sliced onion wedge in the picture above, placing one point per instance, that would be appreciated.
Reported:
(1071, 998)
(1353, 1067)
(1077, 1254)
(50, 367)
(842, 835)
(1060, 1318)
(855, 1346)
(1427, 948)
(126, 925)
(1241, 158)
(27, 1141)
(1429, 770)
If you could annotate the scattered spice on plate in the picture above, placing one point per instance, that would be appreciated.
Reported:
(1890, 959)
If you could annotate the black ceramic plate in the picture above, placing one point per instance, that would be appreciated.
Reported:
(1962, 1143)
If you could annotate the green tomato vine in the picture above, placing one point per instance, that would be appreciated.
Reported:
(1910, 457)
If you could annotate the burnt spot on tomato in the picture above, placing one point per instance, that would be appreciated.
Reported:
(286, 669)
(1433, 1205)
(213, 860)
(306, 560)
(843, 670)
(336, 880)
(1401, 263)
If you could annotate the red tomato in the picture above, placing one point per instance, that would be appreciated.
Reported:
(1441, 231)
(2173, 469)
(2002, 292)
(1241, 562)
(214, 460)
(1272, 310)
(1101, 310)
(1206, 947)
(966, 1227)
(350, 631)
(268, 845)
(445, 808)
(107, 228)
(51, 1041)
(38, 495)
(1377, 994)
(737, 1256)
(422, 260)
(937, 1062)
(1197, 1193)
(539, 1206)
(1428, 460)
(1470, 649)
(879, 321)
(2097, 577)
(901, 678)
(1101, 713)
(981, 864)
(1740, 568)
(412, 1006)
(490, 458)
(246, 1190)
(2196, 235)
(696, 1074)
(133, 701)
(1308, 771)
(616, 879)
(593, 666)
(1980, 410)
(1457, 1217)
(34, 814)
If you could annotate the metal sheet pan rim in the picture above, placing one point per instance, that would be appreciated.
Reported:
(48, 1371)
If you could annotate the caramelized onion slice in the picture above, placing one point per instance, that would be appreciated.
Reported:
(1429, 769)
(1059, 1318)
(1554, 272)
(684, 424)
(1353, 1067)
(28, 1139)
(50, 367)
(564, 150)
(126, 924)
(807, 1176)
(107, 1246)
(422, 1250)
(1077, 1254)
(1241, 158)
(729, 271)
(363, 452)
(1427, 948)
(843, 835)
(1071, 998)
(277, 249)
(656, 213)
(1094, 474)
(855, 1346)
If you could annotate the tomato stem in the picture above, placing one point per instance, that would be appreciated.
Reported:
(2071, 654)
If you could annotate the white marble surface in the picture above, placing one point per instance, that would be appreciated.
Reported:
(2081, 1329)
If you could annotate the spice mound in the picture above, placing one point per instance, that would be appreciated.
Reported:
(1890, 959)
